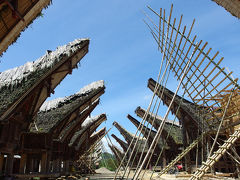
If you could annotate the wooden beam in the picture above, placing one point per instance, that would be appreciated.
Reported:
(1, 163)
(44, 162)
(9, 165)
(23, 161)
(79, 120)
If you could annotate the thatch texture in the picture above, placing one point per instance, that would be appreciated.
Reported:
(129, 137)
(232, 6)
(175, 134)
(17, 83)
(16, 18)
(73, 126)
(123, 144)
(188, 113)
(147, 132)
(87, 129)
(94, 138)
(56, 110)
(117, 152)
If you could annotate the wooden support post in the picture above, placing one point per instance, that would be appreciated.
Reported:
(36, 165)
(31, 165)
(60, 165)
(1, 163)
(185, 145)
(55, 165)
(23, 161)
(67, 166)
(164, 158)
(9, 165)
(44, 162)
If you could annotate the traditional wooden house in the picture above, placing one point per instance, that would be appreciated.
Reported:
(187, 113)
(117, 153)
(54, 126)
(87, 129)
(171, 131)
(25, 88)
(166, 148)
(191, 118)
(15, 17)
(90, 153)
(94, 138)
(131, 141)
(123, 144)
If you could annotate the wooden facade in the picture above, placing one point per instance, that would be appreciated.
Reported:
(169, 146)
(192, 125)
(17, 115)
(36, 143)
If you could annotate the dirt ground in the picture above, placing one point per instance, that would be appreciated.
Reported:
(104, 174)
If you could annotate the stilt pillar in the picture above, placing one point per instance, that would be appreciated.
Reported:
(9, 164)
(44, 162)
(54, 165)
(58, 165)
(67, 166)
(164, 158)
(1, 163)
(23, 161)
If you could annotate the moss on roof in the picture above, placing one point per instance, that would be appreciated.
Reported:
(175, 133)
(56, 110)
(87, 125)
(17, 81)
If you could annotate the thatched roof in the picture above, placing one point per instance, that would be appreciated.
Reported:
(232, 6)
(86, 130)
(73, 126)
(117, 152)
(158, 119)
(123, 144)
(98, 134)
(188, 111)
(54, 111)
(17, 83)
(129, 137)
(146, 132)
(174, 137)
(15, 17)
(95, 137)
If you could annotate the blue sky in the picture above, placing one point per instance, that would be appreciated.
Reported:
(122, 51)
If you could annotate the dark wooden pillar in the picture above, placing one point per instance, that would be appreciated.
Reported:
(67, 166)
(9, 164)
(44, 162)
(54, 165)
(1, 163)
(62, 168)
(31, 165)
(187, 158)
(23, 161)
(59, 163)
(164, 158)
